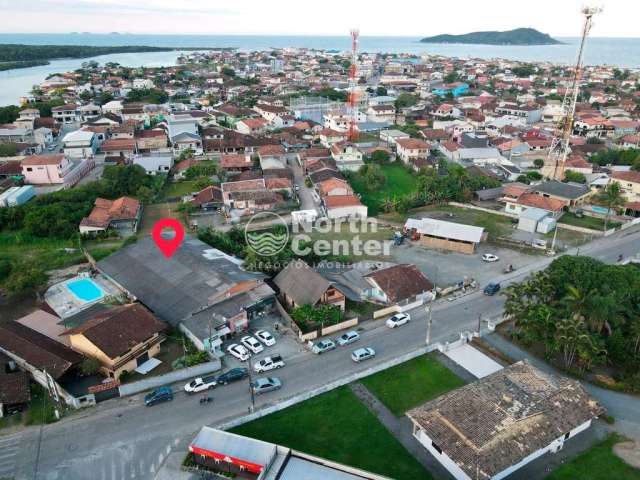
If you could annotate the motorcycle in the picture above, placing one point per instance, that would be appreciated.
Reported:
(205, 400)
(509, 269)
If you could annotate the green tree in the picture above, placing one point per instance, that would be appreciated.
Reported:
(405, 100)
(8, 150)
(26, 277)
(612, 198)
(538, 163)
(380, 156)
(90, 366)
(573, 176)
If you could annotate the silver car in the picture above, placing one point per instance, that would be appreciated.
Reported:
(348, 338)
(363, 354)
(266, 384)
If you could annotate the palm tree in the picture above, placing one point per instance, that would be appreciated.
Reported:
(613, 198)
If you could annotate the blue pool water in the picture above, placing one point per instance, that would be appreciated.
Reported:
(85, 289)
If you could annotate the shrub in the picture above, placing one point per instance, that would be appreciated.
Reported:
(90, 366)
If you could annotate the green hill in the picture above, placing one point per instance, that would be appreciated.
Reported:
(519, 36)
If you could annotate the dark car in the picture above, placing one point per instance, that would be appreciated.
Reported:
(159, 395)
(492, 288)
(233, 375)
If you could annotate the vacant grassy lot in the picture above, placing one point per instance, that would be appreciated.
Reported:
(597, 463)
(412, 383)
(586, 222)
(399, 183)
(364, 232)
(494, 224)
(46, 252)
(337, 426)
(178, 189)
(154, 212)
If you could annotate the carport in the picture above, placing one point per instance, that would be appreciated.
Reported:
(473, 360)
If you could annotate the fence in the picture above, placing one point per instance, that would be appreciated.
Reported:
(589, 231)
(169, 378)
(481, 209)
(321, 332)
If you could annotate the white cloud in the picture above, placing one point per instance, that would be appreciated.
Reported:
(329, 17)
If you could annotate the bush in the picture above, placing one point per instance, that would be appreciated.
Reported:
(5, 268)
(90, 366)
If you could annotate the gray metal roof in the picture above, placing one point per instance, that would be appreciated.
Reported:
(177, 286)
(568, 190)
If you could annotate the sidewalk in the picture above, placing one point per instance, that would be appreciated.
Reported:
(401, 429)
(624, 408)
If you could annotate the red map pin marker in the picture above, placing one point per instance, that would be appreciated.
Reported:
(168, 246)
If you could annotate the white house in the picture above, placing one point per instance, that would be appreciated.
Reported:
(80, 144)
(410, 149)
(344, 206)
(347, 156)
(494, 426)
(154, 164)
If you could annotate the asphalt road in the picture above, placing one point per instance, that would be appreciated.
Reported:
(122, 438)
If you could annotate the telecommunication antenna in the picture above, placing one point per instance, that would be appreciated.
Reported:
(559, 149)
(353, 87)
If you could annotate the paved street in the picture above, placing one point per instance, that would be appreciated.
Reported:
(122, 438)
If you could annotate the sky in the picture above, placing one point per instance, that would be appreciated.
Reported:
(326, 17)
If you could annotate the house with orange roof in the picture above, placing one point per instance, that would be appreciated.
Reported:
(252, 126)
(122, 214)
(629, 184)
(344, 206)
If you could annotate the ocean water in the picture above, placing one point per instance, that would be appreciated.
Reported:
(621, 52)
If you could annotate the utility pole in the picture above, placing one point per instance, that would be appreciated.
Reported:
(553, 242)
(479, 323)
(429, 308)
(252, 408)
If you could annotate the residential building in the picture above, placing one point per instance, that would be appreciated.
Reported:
(252, 126)
(67, 113)
(398, 283)
(344, 206)
(154, 164)
(149, 140)
(347, 156)
(80, 144)
(494, 426)
(629, 184)
(300, 285)
(54, 170)
(411, 149)
(122, 214)
(122, 338)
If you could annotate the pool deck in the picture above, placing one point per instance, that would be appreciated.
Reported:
(66, 304)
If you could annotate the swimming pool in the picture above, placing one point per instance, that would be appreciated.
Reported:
(85, 289)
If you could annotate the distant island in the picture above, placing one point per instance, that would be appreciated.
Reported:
(519, 36)
(14, 55)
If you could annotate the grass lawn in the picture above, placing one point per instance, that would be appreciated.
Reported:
(178, 189)
(154, 212)
(41, 409)
(494, 224)
(412, 383)
(586, 222)
(46, 252)
(399, 183)
(597, 463)
(366, 232)
(337, 426)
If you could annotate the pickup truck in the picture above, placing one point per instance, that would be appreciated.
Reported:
(200, 384)
(269, 363)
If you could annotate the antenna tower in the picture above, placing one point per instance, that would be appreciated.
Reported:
(353, 87)
(559, 149)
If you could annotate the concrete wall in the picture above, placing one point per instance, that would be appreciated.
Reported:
(169, 378)
(481, 209)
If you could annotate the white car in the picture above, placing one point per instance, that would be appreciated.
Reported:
(269, 363)
(348, 338)
(490, 257)
(252, 344)
(200, 384)
(265, 337)
(363, 354)
(239, 352)
(398, 320)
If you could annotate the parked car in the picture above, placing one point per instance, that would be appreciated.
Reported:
(266, 384)
(348, 338)
(265, 337)
(233, 375)
(159, 395)
(268, 363)
(51, 148)
(239, 352)
(323, 346)
(363, 354)
(252, 344)
(492, 288)
(490, 257)
(200, 384)
(398, 320)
